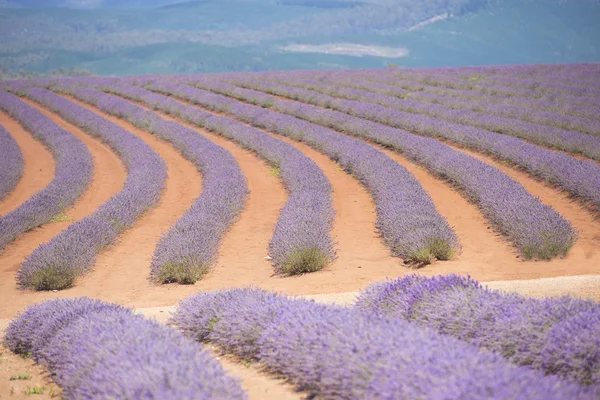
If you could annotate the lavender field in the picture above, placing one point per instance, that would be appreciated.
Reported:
(409, 189)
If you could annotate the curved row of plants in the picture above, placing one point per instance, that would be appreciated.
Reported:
(55, 265)
(333, 352)
(98, 350)
(406, 216)
(11, 163)
(189, 248)
(560, 336)
(528, 88)
(302, 241)
(451, 98)
(535, 229)
(571, 106)
(558, 138)
(581, 178)
(72, 174)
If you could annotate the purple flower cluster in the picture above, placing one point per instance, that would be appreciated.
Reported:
(302, 241)
(72, 175)
(559, 336)
(56, 264)
(98, 350)
(11, 163)
(537, 230)
(406, 215)
(558, 138)
(332, 352)
(581, 178)
(187, 250)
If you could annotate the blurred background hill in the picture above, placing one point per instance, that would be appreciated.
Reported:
(124, 37)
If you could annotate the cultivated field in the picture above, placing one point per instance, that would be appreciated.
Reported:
(142, 191)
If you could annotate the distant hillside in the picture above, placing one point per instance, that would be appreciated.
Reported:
(252, 35)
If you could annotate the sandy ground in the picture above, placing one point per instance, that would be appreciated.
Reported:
(120, 273)
(38, 165)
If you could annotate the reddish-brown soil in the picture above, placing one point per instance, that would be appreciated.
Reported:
(38, 168)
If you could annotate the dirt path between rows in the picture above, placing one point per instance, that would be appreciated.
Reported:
(108, 178)
(38, 165)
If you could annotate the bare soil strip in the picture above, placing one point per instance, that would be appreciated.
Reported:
(38, 168)
(19, 377)
(109, 176)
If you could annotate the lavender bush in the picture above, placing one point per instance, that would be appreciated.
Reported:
(98, 350)
(187, 250)
(535, 229)
(11, 163)
(406, 216)
(332, 352)
(581, 178)
(55, 265)
(557, 335)
(72, 175)
(301, 242)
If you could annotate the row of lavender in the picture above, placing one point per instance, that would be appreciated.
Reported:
(575, 142)
(519, 87)
(97, 350)
(189, 247)
(406, 216)
(535, 229)
(570, 113)
(559, 336)
(581, 178)
(569, 105)
(491, 104)
(73, 171)
(56, 264)
(301, 242)
(11, 163)
(346, 353)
